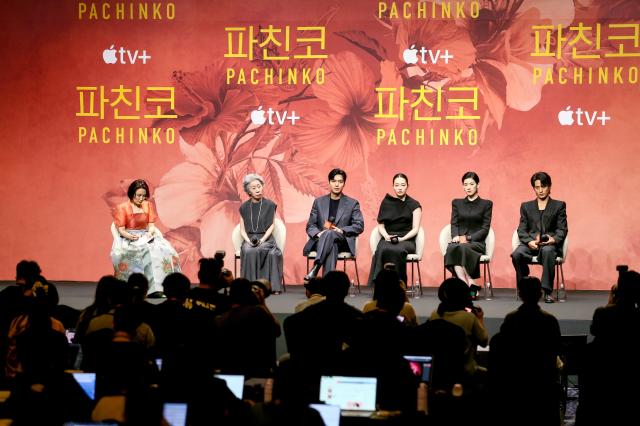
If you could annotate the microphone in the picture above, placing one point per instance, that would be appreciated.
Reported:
(332, 219)
(544, 238)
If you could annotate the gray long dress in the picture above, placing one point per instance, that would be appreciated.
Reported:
(265, 260)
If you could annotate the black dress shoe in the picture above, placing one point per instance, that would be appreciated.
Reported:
(548, 298)
(156, 295)
(313, 272)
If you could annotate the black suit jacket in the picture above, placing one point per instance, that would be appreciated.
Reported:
(349, 219)
(554, 222)
(471, 218)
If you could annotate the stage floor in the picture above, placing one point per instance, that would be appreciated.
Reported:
(574, 315)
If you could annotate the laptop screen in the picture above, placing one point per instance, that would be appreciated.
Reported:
(421, 366)
(175, 413)
(87, 382)
(330, 413)
(235, 383)
(349, 393)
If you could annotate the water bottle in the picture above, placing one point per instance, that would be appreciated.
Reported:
(268, 390)
(423, 400)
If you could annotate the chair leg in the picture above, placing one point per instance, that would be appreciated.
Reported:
(235, 267)
(419, 278)
(560, 287)
(562, 284)
(355, 262)
(490, 283)
(444, 272)
(412, 277)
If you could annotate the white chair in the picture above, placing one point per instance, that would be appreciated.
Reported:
(115, 234)
(279, 234)
(560, 287)
(485, 259)
(412, 258)
(342, 256)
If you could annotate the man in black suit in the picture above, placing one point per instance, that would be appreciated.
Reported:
(542, 230)
(334, 223)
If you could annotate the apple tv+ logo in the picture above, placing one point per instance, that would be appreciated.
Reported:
(259, 116)
(410, 56)
(124, 56)
(565, 117)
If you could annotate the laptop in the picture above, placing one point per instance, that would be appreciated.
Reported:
(87, 382)
(175, 413)
(356, 396)
(421, 366)
(235, 383)
(330, 413)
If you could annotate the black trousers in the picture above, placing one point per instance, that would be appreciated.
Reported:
(521, 258)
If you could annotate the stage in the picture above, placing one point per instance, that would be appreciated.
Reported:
(574, 314)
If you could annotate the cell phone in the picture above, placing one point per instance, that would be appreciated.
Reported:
(159, 363)
(400, 318)
(70, 333)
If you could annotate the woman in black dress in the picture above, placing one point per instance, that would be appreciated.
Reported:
(470, 223)
(260, 257)
(398, 222)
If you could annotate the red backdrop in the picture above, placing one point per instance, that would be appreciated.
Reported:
(58, 186)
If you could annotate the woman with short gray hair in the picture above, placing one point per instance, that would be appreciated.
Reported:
(260, 257)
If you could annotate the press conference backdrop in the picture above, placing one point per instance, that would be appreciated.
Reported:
(192, 95)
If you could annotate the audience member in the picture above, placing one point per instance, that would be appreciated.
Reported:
(206, 297)
(139, 287)
(525, 354)
(125, 366)
(457, 308)
(313, 290)
(609, 376)
(249, 333)
(119, 296)
(380, 344)
(317, 336)
(101, 305)
(390, 277)
(39, 303)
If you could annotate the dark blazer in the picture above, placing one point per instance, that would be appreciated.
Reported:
(349, 219)
(471, 218)
(554, 221)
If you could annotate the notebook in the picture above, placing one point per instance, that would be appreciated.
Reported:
(422, 366)
(356, 396)
(175, 413)
(235, 383)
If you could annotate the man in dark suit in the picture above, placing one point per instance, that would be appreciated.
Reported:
(542, 230)
(334, 223)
